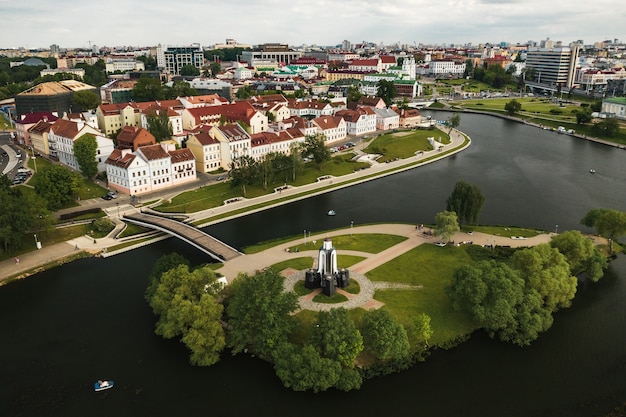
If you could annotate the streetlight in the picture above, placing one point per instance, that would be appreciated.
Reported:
(305, 237)
(117, 203)
(351, 225)
(34, 158)
(557, 229)
(35, 239)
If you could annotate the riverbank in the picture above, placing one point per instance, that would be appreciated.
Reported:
(46, 257)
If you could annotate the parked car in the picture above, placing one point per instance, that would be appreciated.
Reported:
(107, 197)
(112, 194)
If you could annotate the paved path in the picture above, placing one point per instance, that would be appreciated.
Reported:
(31, 261)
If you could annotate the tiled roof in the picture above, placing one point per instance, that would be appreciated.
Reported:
(40, 127)
(120, 159)
(31, 118)
(181, 155)
(205, 139)
(327, 122)
(153, 152)
(65, 128)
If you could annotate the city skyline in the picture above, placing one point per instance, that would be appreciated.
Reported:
(39, 24)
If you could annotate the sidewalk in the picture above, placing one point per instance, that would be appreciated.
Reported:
(31, 262)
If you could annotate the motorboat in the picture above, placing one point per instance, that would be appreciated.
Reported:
(102, 385)
(593, 171)
(331, 212)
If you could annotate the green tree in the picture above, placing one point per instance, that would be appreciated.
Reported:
(387, 91)
(148, 89)
(178, 89)
(446, 225)
(546, 270)
(159, 125)
(215, 68)
(189, 70)
(453, 122)
(422, 329)
(259, 313)
(336, 337)
(610, 224)
(581, 254)
(162, 265)
(244, 92)
(583, 116)
(149, 62)
(354, 95)
(608, 127)
(85, 148)
(21, 212)
(244, 171)
(303, 369)
(186, 306)
(490, 291)
(314, 145)
(513, 107)
(384, 337)
(466, 201)
(84, 100)
(57, 185)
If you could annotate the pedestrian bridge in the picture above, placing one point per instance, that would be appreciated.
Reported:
(203, 241)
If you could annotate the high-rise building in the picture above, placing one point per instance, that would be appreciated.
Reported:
(173, 58)
(553, 66)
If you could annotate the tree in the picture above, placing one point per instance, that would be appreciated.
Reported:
(215, 67)
(189, 70)
(336, 337)
(422, 329)
(186, 306)
(446, 225)
(149, 62)
(384, 337)
(354, 95)
(490, 291)
(244, 92)
(259, 313)
(244, 171)
(178, 89)
(546, 271)
(453, 122)
(159, 125)
(607, 127)
(303, 369)
(610, 224)
(314, 146)
(583, 115)
(387, 91)
(84, 100)
(85, 148)
(21, 212)
(57, 185)
(513, 107)
(148, 89)
(162, 265)
(581, 254)
(466, 201)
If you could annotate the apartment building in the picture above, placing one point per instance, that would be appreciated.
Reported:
(553, 66)
(172, 58)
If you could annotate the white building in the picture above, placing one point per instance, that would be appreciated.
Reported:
(62, 135)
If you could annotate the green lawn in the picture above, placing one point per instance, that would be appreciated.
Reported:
(404, 144)
(299, 264)
(215, 194)
(431, 267)
(367, 242)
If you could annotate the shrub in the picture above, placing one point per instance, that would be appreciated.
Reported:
(556, 111)
(102, 225)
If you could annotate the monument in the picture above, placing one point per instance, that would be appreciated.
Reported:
(327, 276)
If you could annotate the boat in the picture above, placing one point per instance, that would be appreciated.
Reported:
(102, 385)
(593, 171)
(331, 212)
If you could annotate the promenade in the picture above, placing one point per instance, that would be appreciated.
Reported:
(35, 261)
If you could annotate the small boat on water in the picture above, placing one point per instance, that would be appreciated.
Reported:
(593, 171)
(331, 213)
(102, 385)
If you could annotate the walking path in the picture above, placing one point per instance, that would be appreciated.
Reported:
(35, 261)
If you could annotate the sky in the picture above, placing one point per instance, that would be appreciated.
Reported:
(72, 24)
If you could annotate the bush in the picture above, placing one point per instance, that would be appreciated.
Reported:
(556, 111)
(102, 225)
(68, 216)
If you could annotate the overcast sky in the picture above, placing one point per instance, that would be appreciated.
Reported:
(40, 23)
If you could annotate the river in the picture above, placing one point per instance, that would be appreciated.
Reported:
(64, 328)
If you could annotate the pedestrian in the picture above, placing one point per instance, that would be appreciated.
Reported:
(17, 260)
(76, 246)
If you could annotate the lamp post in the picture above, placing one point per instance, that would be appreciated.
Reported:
(34, 158)
(351, 225)
(35, 239)
(117, 203)
(557, 229)
(305, 237)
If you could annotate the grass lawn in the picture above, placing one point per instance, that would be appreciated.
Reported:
(335, 299)
(404, 144)
(132, 229)
(215, 194)
(299, 264)
(367, 242)
(504, 231)
(431, 267)
(46, 237)
(346, 261)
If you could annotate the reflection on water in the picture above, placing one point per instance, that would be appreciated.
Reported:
(65, 328)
